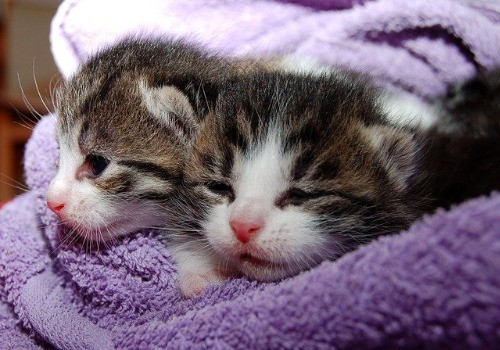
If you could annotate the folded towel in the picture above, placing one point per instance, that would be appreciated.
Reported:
(11, 335)
(419, 45)
(435, 286)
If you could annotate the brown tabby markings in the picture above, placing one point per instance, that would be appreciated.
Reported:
(134, 108)
(121, 183)
(331, 156)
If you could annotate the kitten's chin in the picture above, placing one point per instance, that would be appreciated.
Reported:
(265, 270)
(106, 232)
(101, 234)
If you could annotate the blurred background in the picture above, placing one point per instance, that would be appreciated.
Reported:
(25, 63)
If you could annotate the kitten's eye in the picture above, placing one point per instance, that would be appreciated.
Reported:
(97, 163)
(220, 188)
(294, 196)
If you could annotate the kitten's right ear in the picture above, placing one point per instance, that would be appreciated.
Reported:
(172, 107)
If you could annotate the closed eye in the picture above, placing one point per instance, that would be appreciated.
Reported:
(295, 196)
(220, 188)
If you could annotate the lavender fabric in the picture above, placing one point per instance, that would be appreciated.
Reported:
(418, 46)
(435, 286)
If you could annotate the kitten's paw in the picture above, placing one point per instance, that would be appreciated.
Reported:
(193, 284)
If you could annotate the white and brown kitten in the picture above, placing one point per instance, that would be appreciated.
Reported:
(125, 120)
(288, 170)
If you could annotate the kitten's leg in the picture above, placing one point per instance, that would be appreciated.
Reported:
(198, 267)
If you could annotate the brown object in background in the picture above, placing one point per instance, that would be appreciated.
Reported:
(24, 54)
(12, 139)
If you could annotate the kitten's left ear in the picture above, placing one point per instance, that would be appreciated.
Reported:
(396, 149)
(172, 107)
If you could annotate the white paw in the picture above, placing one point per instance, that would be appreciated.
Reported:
(193, 283)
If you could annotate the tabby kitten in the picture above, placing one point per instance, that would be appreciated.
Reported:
(288, 170)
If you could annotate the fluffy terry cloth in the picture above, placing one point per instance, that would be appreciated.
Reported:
(435, 286)
(418, 45)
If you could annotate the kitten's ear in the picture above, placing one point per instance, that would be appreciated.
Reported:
(172, 107)
(396, 149)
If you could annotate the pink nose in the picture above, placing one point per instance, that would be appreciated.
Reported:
(245, 229)
(55, 207)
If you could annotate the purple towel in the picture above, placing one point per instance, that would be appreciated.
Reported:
(435, 286)
(418, 45)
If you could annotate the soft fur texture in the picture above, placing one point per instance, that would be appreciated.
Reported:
(436, 286)
(123, 134)
(291, 170)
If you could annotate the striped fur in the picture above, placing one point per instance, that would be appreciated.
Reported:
(137, 105)
(313, 156)
(319, 165)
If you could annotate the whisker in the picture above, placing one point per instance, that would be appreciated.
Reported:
(26, 101)
(29, 122)
(14, 184)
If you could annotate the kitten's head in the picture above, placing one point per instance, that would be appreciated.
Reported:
(122, 135)
(292, 170)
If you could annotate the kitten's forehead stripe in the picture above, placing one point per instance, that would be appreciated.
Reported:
(227, 162)
(236, 136)
(304, 133)
(302, 163)
(100, 95)
(327, 169)
(208, 160)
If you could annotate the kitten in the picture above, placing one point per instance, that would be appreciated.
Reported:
(125, 120)
(288, 170)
